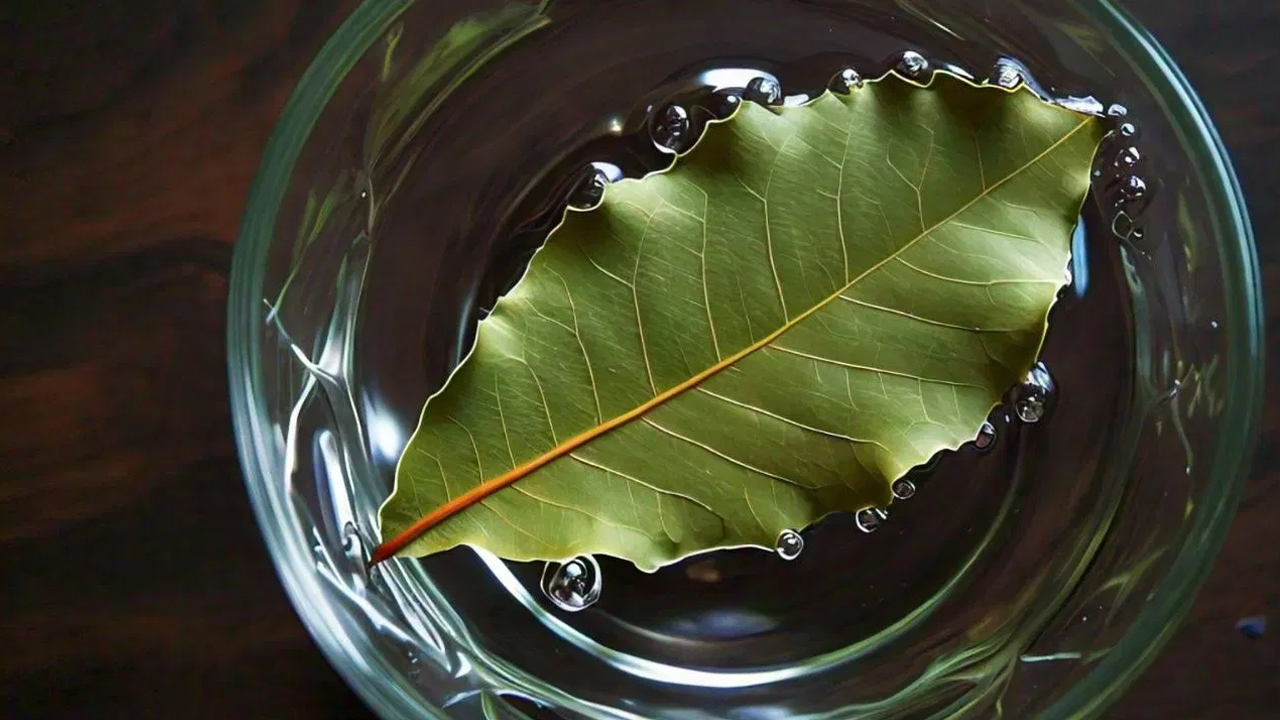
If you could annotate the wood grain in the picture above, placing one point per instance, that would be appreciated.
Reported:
(134, 581)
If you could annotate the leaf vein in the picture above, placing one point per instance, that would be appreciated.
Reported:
(747, 497)
(979, 283)
(790, 421)
(927, 321)
(706, 292)
(768, 232)
(635, 299)
(545, 407)
(577, 333)
(502, 419)
(868, 368)
(601, 268)
(580, 511)
(489, 506)
(642, 483)
(723, 456)
(1001, 233)
(839, 198)
(474, 448)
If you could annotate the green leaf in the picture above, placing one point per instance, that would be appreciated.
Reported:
(809, 303)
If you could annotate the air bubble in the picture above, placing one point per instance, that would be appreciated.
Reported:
(867, 520)
(1006, 74)
(764, 90)
(1133, 187)
(1030, 409)
(1128, 130)
(1010, 74)
(986, 437)
(912, 64)
(1068, 276)
(1116, 110)
(1086, 105)
(671, 128)
(790, 544)
(612, 173)
(590, 191)
(1128, 158)
(846, 81)
(1122, 225)
(904, 489)
(1033, 395)
(574, 585)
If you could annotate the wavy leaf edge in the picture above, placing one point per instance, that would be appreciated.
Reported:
(392, 547)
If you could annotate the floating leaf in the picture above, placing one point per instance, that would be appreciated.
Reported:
(809, 303)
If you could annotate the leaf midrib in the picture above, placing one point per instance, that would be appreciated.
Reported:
(489, 487)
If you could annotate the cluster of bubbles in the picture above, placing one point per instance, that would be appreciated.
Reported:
(1125, 190)
(576, 584)
(1118, 168)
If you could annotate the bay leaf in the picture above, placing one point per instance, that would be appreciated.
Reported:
(807, 304)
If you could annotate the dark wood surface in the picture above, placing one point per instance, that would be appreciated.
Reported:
(133, 583)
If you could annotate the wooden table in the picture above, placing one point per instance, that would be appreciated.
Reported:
(134, 583)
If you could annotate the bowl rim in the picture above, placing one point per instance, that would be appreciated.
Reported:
(1141, 643)
(1157, 621)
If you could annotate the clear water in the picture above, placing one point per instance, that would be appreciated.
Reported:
(879, 595)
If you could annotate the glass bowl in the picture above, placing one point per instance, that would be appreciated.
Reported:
(415, 168)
